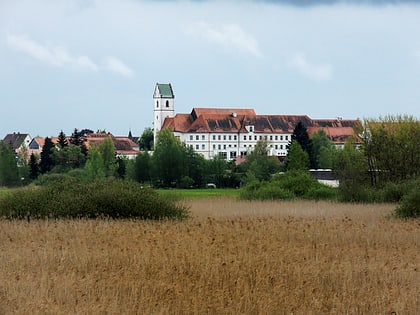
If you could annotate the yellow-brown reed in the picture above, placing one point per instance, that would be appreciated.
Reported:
(231, 257)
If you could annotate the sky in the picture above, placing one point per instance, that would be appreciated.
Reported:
(93, 64)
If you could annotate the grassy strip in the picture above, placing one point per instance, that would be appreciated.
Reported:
(182, 194)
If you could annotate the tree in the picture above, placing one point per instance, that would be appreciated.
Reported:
(33, 167)
(47, 161)
(297, 158)
(76, 138)
(108, 154)
(392, 148)
(258, 164)
(62, 140)
(351, 169)
(300, 134)
(195, 164)
(95, 164)
(146, 140)
(216, 169)
(323, 149)
(121, 167)
(142, 167)
(168, 159)
(68, 157)
(9, 173)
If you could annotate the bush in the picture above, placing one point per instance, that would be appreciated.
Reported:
(321, 193)
(72, 198)
(410, 205)
(264, 191)
(297, 182)
(287, 186)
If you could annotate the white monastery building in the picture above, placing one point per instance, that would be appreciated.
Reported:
(234, 132)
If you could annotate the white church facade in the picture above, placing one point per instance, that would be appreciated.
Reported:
(233, 132)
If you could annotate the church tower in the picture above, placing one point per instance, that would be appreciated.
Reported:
(163, 104)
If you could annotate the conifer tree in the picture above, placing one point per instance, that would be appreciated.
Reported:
(62, 140)
(300, 134)
(47, 161)
(33, 167)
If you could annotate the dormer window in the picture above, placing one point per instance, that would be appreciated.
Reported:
(249, 128)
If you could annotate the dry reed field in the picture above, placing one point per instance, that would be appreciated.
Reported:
(232, 257)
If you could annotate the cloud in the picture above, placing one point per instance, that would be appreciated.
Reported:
(53, 55)
(115, 65)
(230, 35)
(312, 71)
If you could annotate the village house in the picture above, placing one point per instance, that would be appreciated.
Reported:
(233, 132)
(18, 141)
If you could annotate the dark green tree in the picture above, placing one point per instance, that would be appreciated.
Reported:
(216, 170)
(168, 159)
(121, 167)
(47, 160)
(76, 138)
(142, 167)
(9, 173)
(351, 168)
(300, 134)
(146, 140)
(69, 157)
(195, 165)
(62, 140)
(33, 167)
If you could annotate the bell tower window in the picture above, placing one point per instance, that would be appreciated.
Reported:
(157, 104)
(167, 103)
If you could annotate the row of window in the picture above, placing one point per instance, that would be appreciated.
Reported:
(225, 146)
(234, 137)
(271, 137)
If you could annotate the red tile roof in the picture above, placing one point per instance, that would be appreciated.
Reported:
(214, 120)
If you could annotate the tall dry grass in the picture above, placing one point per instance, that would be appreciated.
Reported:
(230, 258)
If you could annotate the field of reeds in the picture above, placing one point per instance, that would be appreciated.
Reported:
(231, 257)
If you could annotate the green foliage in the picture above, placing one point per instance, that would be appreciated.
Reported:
(47, 161)
(392, 148)
(186, 182)
(146, 140)
(33, 167)
(350, 167)
(72, 198)
(168, 159)
(292, 184)
(258, 164)
(297, 159)
(257, 190)
(410, 205)
(68, 157)
(108, 154)
(62, 140)
(300, 135)
(95, 164)
(9, 173)
(298, 182)
(142, 167)
(323, 150)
